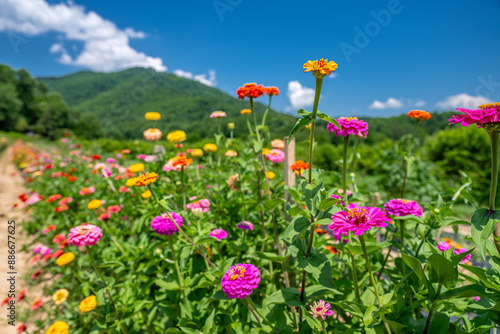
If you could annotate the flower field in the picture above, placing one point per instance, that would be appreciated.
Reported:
(241, 236)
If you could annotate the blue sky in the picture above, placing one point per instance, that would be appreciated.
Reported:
(393, 56)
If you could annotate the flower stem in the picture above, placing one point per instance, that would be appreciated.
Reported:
(429, 317)
(87, 248)
(183, 189)
(255, 120)
(365, 253)
(180, 229)
(354, 274)
(179, 275)
(494, 168)
(250, 302)
(266, 112)
(323, 326)
(387, 256)
(408, 157)
(317, 93)
(344, 170)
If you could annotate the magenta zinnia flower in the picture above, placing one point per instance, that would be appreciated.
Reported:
(240, 280)
(163, 225)
(219, 234)
(84, 235)
(341, 191)
(275, 156)
(350, 126)
(358, 219)
(460, 251)
(443, 246)
(485, 114)
(244, 225)
(320, 309)
(402, 207)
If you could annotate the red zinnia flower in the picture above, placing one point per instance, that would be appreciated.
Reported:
(71, 178)
(96, 157)
(37, 304)
(61, 208)
(53, 198)
(6, 301)
(21, 295)
(250, 90)
(271, 90)
(36, 274)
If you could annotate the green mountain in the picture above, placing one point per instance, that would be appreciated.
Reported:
(119, 100)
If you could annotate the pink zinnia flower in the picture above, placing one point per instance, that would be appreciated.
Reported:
(341, 192)
(402, 207)
(124, 189)
(275, 156)
(358, 219)
(34, 198)
(110, 160)
(87, 190)
(218, 114)
(21, 295)
(476, 298)
(240, 280)
(443, 246)
(150, 158)
(244, 225)
(104, 216)
(219, 234)
(200, 206)
(460, 251)
(85, 235)
(142, 156)
(478, 116)
(65, 201)
(114, 208)
(338, 236)
(164, 226)
(320, 309)
(350, 126)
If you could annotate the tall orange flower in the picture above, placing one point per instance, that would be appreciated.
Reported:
(299, 167)
(181, 161)
(419, 115)
(271, 90)
(320, 68)
(251, 90)
(144, 180)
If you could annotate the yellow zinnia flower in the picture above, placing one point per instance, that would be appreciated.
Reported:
(230, 126)
(88, 304)
(131, 182)
(58, 327)
(146, 179)
(265, 151)
(320, 68)
(152, 116)
(246, 111)
(210, 148)
(60, 296)
(146, 194)
(65, 259)
(197, 153)
(136, 168)
(270, 175)
(94, 204)
(176, 136)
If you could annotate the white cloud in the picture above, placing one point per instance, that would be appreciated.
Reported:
(202, 78)
(420, 103)
(300, 96)
(462, 101)
(390, 103)
(105, 46)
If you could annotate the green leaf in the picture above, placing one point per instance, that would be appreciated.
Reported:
(209, 323)
(271, 256)
(311, 192)
(272, 204)
(483, 223)
(415, 264)
(298, 226)
(303, 112)
(257, 146)
(439, 323)
(370, 247)
(327, 203)
(455, 259)
(167, 285)
(288, 296)
(220, 295)
(471, 290)
(329, 119)
(111, 264)
(301, 122)
(319, 266)
(442, 271)
(487, 280)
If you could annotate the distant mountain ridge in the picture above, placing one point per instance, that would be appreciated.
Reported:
(120, 99)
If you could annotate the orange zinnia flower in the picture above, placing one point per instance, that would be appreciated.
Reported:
(71, 178)
(61, 208)
(271, 90)
(419, 115)
(181, 161)
(37, 304)
(144, 180)
(332, 249)
(53, 198)
(251, 90)
(299, 167)
(320, 68)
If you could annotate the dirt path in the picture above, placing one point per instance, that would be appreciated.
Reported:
(11, 186)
